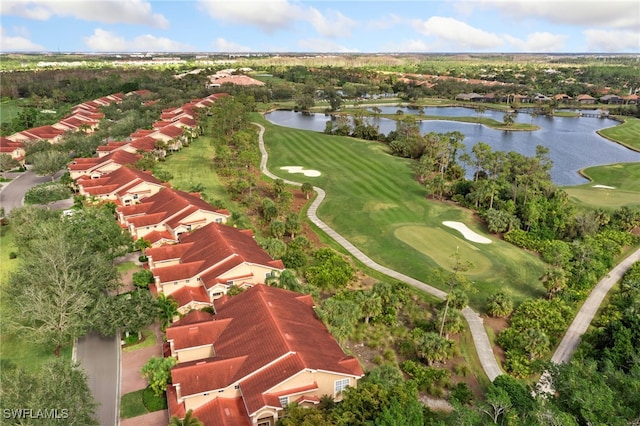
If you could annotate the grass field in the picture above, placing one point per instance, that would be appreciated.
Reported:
(627, 133)
(8, 110)
(625, 178)
(192, 167)
(375, 202)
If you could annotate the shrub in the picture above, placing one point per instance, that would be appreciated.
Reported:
(13, 255)
(143, 258)
(461, 394)
(142, 279)
(47, 192)
(152, 402)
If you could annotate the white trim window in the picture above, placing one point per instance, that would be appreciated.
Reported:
(284, 401)
(340, 385)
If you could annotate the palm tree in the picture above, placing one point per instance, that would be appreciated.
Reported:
(167, 310)
(188, 420)
(286, 280)
(508, 119)
(307, 189)
(537, 342)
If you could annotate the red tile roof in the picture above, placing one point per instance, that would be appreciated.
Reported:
(118, 157)
(223, 412)
(196, 334)
(219, 247)
(193, 317)
(119, 181)
(186, 295)
(290, 338)
(168, 206)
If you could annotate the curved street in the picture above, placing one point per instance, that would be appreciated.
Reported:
(480, 337)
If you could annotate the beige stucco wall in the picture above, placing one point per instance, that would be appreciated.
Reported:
(193, 354)
(170, 287)
(259, 273)
(325, 381)
(193, 402)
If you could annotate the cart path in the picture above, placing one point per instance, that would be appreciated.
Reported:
(589, 309)
(480, 337)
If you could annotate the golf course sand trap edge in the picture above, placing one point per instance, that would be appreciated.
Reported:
(467, 233)
(298, 169)
(604, 186)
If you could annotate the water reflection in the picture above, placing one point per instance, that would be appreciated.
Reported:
(573, 142)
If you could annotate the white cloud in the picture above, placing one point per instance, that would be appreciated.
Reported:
(222, 45)
(612, 41)
(457, 35)
(17, 43)
(335, 24)
(274, 15)
(323, 45)
(621, 14)
(538, 42)
(106, 41)
(106, 11)
(269, 16)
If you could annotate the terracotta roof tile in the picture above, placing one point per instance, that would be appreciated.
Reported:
(223, 412)
(193, 317)
(186, 295)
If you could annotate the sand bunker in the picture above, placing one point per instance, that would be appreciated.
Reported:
(298, 169)
(467, 233)
(604, 186)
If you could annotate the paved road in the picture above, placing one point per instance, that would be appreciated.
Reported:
(100, 358)
(12, 193)
(480, 337)
(584, 317)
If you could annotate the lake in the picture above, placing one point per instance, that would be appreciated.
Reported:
(573, 142)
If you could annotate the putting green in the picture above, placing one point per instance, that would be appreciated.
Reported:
(439, 245)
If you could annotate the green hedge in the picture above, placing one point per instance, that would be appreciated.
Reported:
(47, 193)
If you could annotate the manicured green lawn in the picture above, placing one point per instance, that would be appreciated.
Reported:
(137, 403)
(9, 110)
(193, 166)
(374, 201)
(625, 178)
(149, 340)
(627, 134)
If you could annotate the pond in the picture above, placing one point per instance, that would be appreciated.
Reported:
(573, 142)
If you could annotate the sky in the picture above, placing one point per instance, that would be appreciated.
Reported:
(358, 26)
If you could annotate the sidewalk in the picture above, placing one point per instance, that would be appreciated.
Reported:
(132, 380)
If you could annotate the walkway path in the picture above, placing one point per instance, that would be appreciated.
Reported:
(584, 317)
(480, 337)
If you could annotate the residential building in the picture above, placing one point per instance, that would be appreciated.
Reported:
(13, 149)
(96, 167)
(209, 260)
(262, 350)
(165, 215)
(125, 186)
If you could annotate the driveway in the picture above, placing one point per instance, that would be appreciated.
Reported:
(132, 380)
(100, 358)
